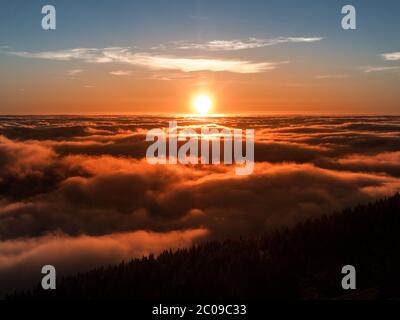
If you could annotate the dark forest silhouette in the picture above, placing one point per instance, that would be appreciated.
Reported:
(300, 263)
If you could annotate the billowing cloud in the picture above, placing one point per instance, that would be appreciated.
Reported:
(252, 43)
(27, 256)
(82, 183)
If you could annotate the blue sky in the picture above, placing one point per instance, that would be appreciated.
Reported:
(108, 23)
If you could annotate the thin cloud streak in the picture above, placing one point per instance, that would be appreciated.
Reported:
(236, 44)
(379, 69)
(74, 72)
(121, 73)
(331, 76)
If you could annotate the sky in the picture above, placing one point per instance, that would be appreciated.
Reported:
(110, 57)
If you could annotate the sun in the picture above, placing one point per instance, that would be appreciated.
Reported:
(202, 104)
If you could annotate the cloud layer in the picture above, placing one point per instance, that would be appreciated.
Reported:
(81, 183)
(26, 257)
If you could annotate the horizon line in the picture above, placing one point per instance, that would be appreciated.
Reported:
(182, 114)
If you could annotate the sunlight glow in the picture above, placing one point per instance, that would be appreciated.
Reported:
(202, 104)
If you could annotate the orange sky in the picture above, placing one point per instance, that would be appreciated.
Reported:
(277, 91)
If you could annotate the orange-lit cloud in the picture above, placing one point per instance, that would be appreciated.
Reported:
(82, 184)
(26, 256)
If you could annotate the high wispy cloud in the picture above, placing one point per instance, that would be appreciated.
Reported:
(370, 69)
(236, 44)
(331, 76)
(121, 73)
(393, 56)
(155, 62)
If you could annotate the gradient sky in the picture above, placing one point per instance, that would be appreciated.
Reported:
(153, 56)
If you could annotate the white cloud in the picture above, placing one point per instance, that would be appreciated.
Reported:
(61, 55)
(394, 56)
(197, 64)
(154, 62)
(379, 69)
(251, 43)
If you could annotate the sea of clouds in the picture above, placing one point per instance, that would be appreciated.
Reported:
(77, 192)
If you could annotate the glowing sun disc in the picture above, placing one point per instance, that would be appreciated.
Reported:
(202, 104)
